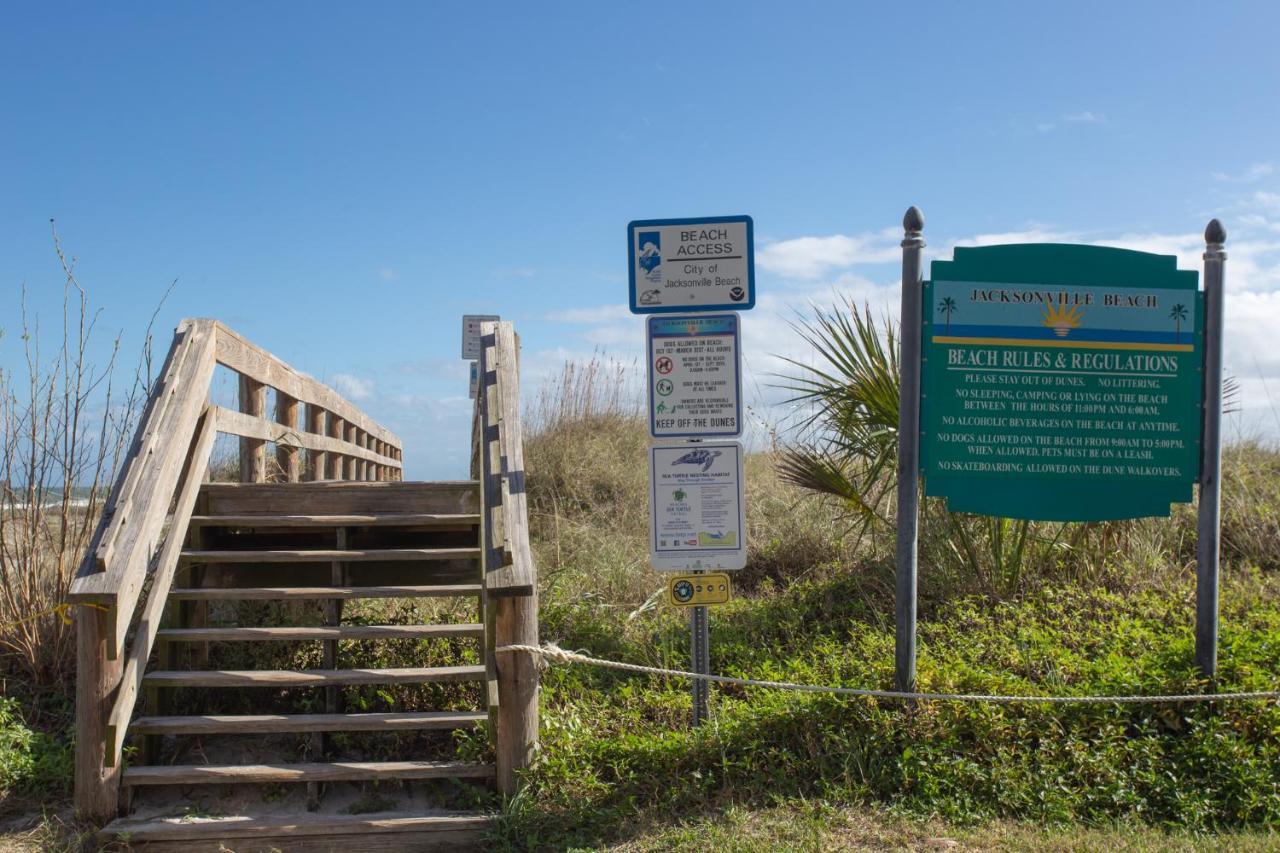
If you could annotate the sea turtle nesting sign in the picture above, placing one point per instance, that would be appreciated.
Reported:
(1061, 382)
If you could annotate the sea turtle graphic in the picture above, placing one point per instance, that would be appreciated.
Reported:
(705, 458)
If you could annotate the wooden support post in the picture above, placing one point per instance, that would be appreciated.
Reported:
(316, 461)
(516, 621)
(338, 430)
(253, 451)
(288, 456)
(350, 461)
(97, 787)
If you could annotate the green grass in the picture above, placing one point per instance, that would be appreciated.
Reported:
(1108, 609)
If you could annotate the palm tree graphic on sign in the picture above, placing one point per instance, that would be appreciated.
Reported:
(948, 307)
(1178, 313)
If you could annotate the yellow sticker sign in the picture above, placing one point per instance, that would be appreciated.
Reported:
(699, 590)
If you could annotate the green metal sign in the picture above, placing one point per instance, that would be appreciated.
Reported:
(1061, 382)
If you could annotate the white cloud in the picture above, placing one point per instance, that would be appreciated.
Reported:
(388, 274)
(1256, 172)
(1085, 117)
(353, 387)
(813, 257)
(1045, 126)
(515, 272)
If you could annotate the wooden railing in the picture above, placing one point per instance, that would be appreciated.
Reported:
(510, 580)
(156, 492)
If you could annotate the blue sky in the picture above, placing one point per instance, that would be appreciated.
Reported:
(340, 182)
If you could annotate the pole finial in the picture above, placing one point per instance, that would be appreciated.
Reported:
(1214, 232)
(914, 220)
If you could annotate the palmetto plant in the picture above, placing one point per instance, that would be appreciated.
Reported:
(849, 425)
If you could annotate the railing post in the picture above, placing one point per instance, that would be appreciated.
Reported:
(516, 621)
(253, 451)
(337, 464)
(287, 455)
(97, 786)
(316, 459)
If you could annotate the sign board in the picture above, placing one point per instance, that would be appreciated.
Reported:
(1061, 382)
(703, 264)
(475, 379)
(697, 511)
(695, 386)
(471, 333)
(699, 590)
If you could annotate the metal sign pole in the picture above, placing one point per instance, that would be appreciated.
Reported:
(1207, 527)
(700, 652)
(908, 449)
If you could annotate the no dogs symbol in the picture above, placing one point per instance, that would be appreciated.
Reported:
(663, 365)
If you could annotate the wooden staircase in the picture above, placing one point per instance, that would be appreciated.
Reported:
(314, 666)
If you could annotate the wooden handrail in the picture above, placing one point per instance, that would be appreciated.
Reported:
(166, 465)
(161, 580)
(510, 570)
(510, 579)
(251, 360)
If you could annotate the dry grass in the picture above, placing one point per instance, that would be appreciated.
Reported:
(64, 428)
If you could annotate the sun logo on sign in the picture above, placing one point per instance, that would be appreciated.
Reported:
(1062, 319)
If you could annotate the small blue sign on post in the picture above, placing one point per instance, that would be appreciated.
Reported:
(705, 264)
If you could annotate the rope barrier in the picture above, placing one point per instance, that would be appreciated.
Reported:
(550, 652)
(62, 610)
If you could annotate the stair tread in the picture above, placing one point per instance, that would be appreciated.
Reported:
(311, 677)
(266, 723)
(415, 519)
(319, 555)
(319, 771)
(303, 824)
(319, 592)
(337, 632)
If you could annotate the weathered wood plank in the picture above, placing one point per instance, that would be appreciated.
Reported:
(161, 581)
(313, 677)
(253, 429)
(298, 633)
(337, 497)
(272, 723)
(317, 593)
(251, 360)
(337, 771)
(392, 824)
(320, 556)
(387, 519)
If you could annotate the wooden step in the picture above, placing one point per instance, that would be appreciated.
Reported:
(331, 555)
(389, 519)
(302, 593)
(336, 771)
(311, 677)
(340, 632)
(383, 831)
(271, 723)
